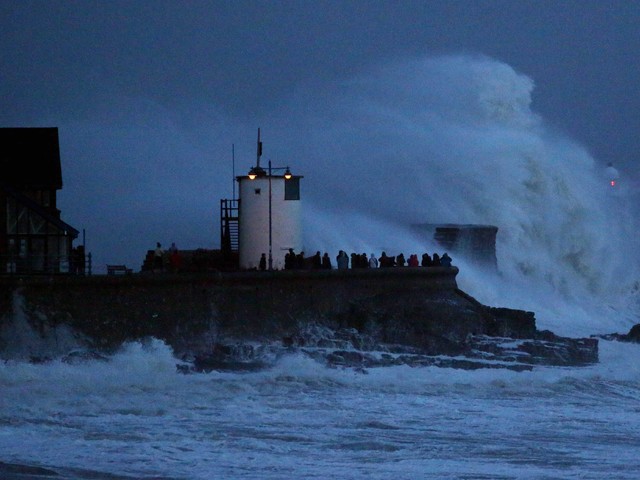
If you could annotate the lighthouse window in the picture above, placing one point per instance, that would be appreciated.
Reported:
(292, 189)
(257, 191)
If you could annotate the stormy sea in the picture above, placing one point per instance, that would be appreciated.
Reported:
(566, 250)
(134, 416)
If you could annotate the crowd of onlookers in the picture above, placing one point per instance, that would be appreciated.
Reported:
(343, 261)
(159, 260)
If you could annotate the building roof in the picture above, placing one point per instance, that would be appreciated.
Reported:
(30, 157)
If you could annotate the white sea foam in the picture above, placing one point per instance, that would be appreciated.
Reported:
(151, 366)
(135, 415)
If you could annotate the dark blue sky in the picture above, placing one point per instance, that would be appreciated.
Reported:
(147, 90)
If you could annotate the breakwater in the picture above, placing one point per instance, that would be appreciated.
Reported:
(417, 311)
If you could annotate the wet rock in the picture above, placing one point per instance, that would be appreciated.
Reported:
(343, 348)
(632, 336)
(227, 357)
(513, 323)
(82, 356)
(547, 350)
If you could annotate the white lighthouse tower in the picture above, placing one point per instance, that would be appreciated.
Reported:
(270, 215)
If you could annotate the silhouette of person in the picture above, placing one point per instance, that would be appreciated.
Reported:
(158, 257)
(316, 261)
(387, 261)
(343, 260)
(174, 258)
(326, 261)
(290, 260)
(263, 262)
(445, 260)
(373, 261)
(300, 261)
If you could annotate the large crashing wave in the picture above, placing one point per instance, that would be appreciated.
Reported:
(454, 139)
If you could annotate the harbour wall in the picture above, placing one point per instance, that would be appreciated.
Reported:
(192, 312)
(476, 243)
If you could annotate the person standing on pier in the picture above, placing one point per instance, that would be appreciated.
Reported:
(158, 258)
(343, 260)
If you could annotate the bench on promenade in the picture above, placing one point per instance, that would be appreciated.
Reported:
(116, 269)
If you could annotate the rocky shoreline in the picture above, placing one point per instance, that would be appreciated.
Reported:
(633, 336)
(349, 348)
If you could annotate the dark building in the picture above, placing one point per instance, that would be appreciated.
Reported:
(476, 243)
(33, 238)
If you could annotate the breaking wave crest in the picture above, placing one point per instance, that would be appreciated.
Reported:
(455, 139)
(150, 367)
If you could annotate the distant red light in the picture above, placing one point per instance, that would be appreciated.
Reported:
(613, 183)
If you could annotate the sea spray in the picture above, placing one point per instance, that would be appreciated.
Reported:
(454, 139)
(35, 340)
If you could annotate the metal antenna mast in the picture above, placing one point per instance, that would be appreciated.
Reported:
(259, 150)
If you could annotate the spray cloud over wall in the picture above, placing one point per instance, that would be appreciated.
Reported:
(454, 140)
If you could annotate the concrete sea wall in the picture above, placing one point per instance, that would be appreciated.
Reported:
(411, 308)
(183, 308)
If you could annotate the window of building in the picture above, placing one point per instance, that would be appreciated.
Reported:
(292, 189)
